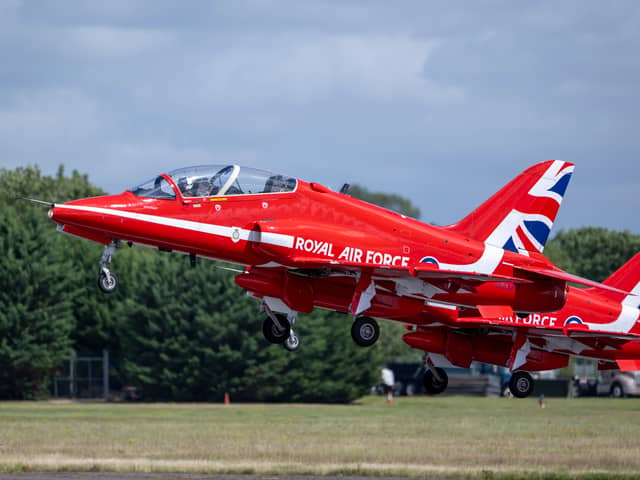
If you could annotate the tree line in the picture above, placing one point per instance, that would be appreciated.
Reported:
(187, 334)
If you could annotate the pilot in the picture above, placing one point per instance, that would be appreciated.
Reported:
(186, 186)
(275, 183)
(202, 188)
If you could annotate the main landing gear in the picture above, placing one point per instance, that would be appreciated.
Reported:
(107, 281)
(276, 329)
(436, 380)
(521, 384)
(365, 331)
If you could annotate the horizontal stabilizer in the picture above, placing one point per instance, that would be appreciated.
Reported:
(626, 278)
(426, 271)
(628, 365)
(568, 277)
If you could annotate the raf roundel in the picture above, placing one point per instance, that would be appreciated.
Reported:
(573, 320)
(431, 260)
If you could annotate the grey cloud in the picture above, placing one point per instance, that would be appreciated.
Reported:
(441, 102)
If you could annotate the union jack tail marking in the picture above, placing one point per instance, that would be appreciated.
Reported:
(519, 217)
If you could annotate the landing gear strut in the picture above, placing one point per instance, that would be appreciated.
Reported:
(521, 384)
(277, 328)
(435, 381)
(107, 281)
(365, 331)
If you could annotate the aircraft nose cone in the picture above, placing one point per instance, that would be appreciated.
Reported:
(89, 212)
(66, 213)
(56, 214)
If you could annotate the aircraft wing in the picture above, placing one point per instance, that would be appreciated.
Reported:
(427, 272)
(571, 331)
(421, 271)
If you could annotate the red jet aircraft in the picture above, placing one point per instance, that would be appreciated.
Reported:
(306, 246)
(593, 323)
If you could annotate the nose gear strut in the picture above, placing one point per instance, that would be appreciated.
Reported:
(107, 281)
(292, 343)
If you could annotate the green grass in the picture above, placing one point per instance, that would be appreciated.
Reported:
(446, 436)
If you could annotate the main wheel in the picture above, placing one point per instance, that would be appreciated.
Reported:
(617, 391)
(107, 283)
(273, 333)
(434, 386)
(292, 343)
(521, 384)
(365, 331)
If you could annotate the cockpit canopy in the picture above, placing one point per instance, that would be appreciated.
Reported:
(216, 181)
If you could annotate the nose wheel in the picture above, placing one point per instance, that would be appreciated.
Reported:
(107, 281)
(292, 343)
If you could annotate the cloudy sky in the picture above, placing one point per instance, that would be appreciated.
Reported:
(443, 102)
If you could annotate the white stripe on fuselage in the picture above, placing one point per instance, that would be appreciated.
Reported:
(486, 264)
(627, 318)
(209, 228)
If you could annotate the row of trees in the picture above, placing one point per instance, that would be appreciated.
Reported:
(175, 332)
(182, 333)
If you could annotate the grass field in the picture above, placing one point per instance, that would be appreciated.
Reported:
(445, 437)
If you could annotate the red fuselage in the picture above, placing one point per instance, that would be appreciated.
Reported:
(315, 227)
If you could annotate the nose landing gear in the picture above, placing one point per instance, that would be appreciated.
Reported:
(107, 281)
(292, 343)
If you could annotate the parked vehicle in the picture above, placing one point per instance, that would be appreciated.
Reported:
(619, 384)
(408, 379)
(585, 386)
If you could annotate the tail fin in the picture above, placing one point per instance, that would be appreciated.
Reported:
(626, 278)
(520, 215)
